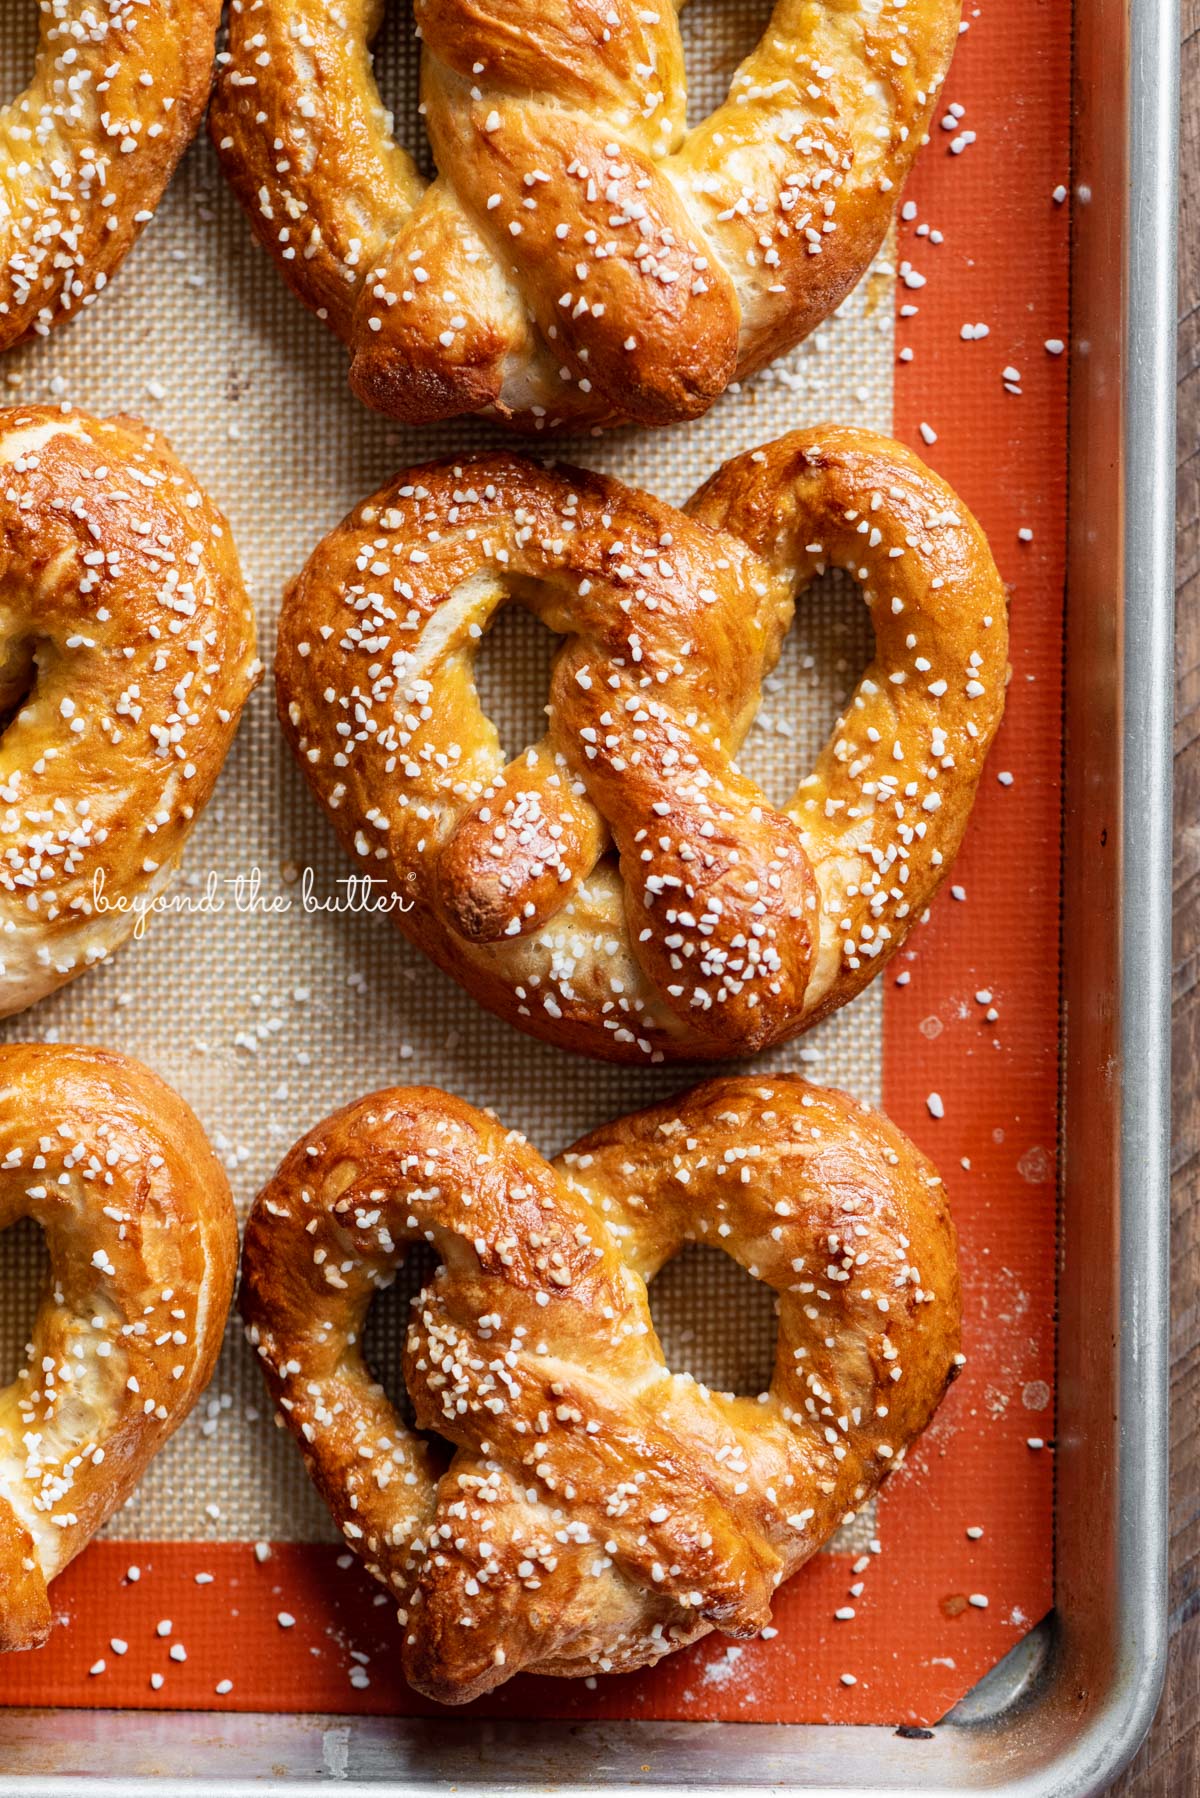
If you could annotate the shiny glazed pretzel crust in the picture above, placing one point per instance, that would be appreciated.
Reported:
(87, 149)
(582, 256)
(140, 1228)
(621, 887)
(126, 655)
(598, 1511)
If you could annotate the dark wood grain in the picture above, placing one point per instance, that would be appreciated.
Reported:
(1169, 1763)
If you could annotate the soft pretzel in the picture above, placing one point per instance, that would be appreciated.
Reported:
(87, 149)
(143, 1248)
(128, 652)
(582, 256)
(621, 887)
(599, 1511)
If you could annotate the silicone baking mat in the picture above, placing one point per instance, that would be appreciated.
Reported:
(220, 1585)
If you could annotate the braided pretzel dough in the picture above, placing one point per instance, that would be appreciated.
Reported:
(621, 888)
(123, 604)
(87, 149)
(143, 1248)
(582, 256)
(599, 1511)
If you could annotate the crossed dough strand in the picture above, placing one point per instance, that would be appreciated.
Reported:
(598, 1511)
(621, 887)
(582, 256)
(140, 1227)
(86, 151)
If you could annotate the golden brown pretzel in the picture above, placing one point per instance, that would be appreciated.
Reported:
(621, 887)
(143, 1248)
(87, 149)
(582, 256)
(599, 1511)
(127, 653)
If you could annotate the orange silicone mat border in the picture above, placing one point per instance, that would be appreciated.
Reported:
(199, 1615)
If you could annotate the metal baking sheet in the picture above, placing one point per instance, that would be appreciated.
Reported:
(1071, 1703)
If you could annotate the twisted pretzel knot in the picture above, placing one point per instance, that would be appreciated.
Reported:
(143, 1247)
(598, 1511)
(581, 255)
(621, 887)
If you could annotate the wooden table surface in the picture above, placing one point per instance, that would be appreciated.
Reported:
(1169, 1763)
